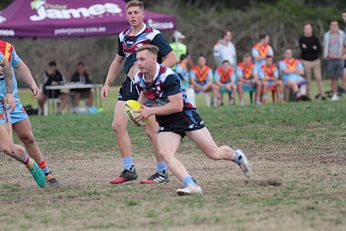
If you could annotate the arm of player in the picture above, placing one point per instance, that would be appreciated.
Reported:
(175, 104)
(9, 99)
(113, 72)
(24, 73)
(170, 59)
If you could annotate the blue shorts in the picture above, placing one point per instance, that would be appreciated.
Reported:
(270, 83)
(224, 90)
(295, 78)
(4, 114)
(18, 114)
(249, 87)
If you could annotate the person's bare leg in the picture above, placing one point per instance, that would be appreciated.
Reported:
(63, 102)
(334, 85)
(75, 99)
(23, 130)
(90, 100)
(6, 143)
(258, 92)
(344, 79)
(18, 152)
(240, 92)
(206, 143)
(41, 101)
(168, 146)
(151, 129)
(119, 126)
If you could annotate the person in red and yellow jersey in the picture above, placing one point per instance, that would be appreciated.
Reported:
(261, 50)
(19, 119)
(225, 77)
(269, 76)
(202, 78)
(248, 78)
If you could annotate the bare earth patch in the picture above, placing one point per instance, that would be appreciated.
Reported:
(288, 192)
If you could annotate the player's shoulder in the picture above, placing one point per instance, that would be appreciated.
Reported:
(137, 78)
(167, 74)
(122, 34)
(150, 32)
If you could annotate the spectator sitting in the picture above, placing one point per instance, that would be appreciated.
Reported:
(225, 77)
(269, 76)
(247, 78)
(81, 76)
(202, 78)
(184, 76)
(52, 77)
(292, 72)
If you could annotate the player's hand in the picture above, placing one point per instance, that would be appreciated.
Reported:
(9, 99)
(144, 113)
(104, 91)
(35, 91)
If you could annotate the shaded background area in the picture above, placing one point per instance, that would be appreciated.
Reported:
(201, 21)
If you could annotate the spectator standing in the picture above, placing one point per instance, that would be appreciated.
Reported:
(224, 49)
(178, 47)
(344, 78)
(333, 51)
(261, 50)
(310, 48)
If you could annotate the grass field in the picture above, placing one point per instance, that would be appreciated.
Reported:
(298, 151)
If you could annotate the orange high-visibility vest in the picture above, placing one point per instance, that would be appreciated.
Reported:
(262, 49)
(225, 76)
(247, 69)
(201, 74)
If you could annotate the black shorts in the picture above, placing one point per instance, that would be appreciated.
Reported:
(345, 64)
(191, 122)
(84, 93)
(52, 93)
(128, 90)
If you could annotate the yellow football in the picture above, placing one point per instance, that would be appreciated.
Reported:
(130, 107)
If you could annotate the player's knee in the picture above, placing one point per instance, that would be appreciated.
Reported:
(118, 127)
(213, 153)
(26, 137)
(7, 149)
(150, 131)
(166, 155)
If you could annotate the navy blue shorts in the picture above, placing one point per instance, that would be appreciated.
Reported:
(128, 90)
(191, 122)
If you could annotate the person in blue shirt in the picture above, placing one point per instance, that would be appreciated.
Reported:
(7, 105)
(292, 71)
